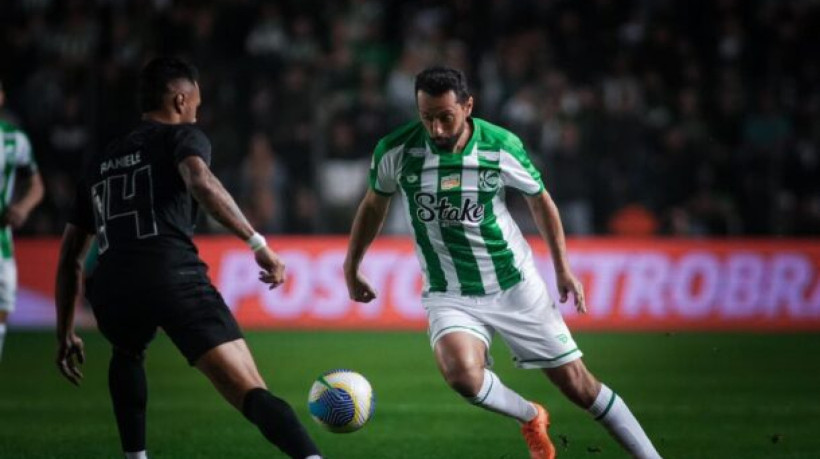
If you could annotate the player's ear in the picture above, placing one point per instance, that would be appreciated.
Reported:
(179, 102)
(468, 106)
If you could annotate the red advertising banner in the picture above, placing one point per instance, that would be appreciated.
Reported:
(652, 284)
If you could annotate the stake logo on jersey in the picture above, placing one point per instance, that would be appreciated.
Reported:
(431, 209)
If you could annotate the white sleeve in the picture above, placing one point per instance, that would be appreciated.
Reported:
(384, 171)
(518, 172)
(23, 155)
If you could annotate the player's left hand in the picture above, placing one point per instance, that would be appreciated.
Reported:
(15, 216)
(70, 355)
(273, 268)
(567, 283)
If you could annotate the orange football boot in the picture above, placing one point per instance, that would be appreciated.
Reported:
(535, 433)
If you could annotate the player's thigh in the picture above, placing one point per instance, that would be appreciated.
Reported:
(529, 321)
(8, 286)
(458, 336)
(196, 319)
(124, 319)
(231, 369)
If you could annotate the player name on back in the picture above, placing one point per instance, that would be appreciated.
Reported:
(123, 161)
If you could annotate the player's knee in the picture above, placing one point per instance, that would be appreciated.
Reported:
(465, 379)
(253, 380)
(135, 356)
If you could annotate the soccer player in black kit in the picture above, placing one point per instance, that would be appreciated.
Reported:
(140, 198)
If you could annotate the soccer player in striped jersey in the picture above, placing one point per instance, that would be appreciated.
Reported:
(16, 160)
(479, 277)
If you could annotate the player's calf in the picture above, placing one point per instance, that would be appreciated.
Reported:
(611, 411)
(231, 369)
(129, 395)
(3, 317)
(581, 387)
(575, 382)
(278, 423)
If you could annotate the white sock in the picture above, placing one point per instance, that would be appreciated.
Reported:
(611, 411)
(2, 338)
(314, 456)
(138, 455)
(497, 397)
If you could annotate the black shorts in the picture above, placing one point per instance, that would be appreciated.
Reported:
(194, 316)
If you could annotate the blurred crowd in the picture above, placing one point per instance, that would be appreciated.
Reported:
(670, 117)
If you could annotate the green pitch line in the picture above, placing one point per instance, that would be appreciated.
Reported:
(697, 395)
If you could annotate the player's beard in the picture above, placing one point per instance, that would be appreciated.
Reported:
(449, 143)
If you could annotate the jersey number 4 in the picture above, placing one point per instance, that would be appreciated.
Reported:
(128, 196)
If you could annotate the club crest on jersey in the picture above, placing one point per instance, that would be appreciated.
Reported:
(442, 210)
(448, 182)
(488, 180)
(411, 178)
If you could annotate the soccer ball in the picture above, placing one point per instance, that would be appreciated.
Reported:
(341, 401)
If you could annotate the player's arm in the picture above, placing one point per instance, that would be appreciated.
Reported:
(215, 199)
(68, 292)
(546, 216)
(367, 224)
(31, 194)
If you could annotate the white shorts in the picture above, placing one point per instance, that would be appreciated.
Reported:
(525, 317)
(8, 285)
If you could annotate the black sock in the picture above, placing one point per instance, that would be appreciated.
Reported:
(129, 394)
(278, 423)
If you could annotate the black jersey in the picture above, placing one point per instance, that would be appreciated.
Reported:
(135, 201)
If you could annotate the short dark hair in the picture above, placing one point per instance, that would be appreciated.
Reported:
(436, 81)
(157, 75)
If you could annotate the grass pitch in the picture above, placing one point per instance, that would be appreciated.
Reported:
(697, 395)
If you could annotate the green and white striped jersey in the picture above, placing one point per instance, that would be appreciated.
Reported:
(16, 154)
(466, 240)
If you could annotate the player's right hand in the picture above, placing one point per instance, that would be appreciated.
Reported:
(273, 268)
(70, 355)
(359, 289)
(14, 216)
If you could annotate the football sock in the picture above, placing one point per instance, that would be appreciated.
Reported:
(2, 339)
(278, 423)
(497, 397)
(611, 411)
(129, 394)
(137, 455)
